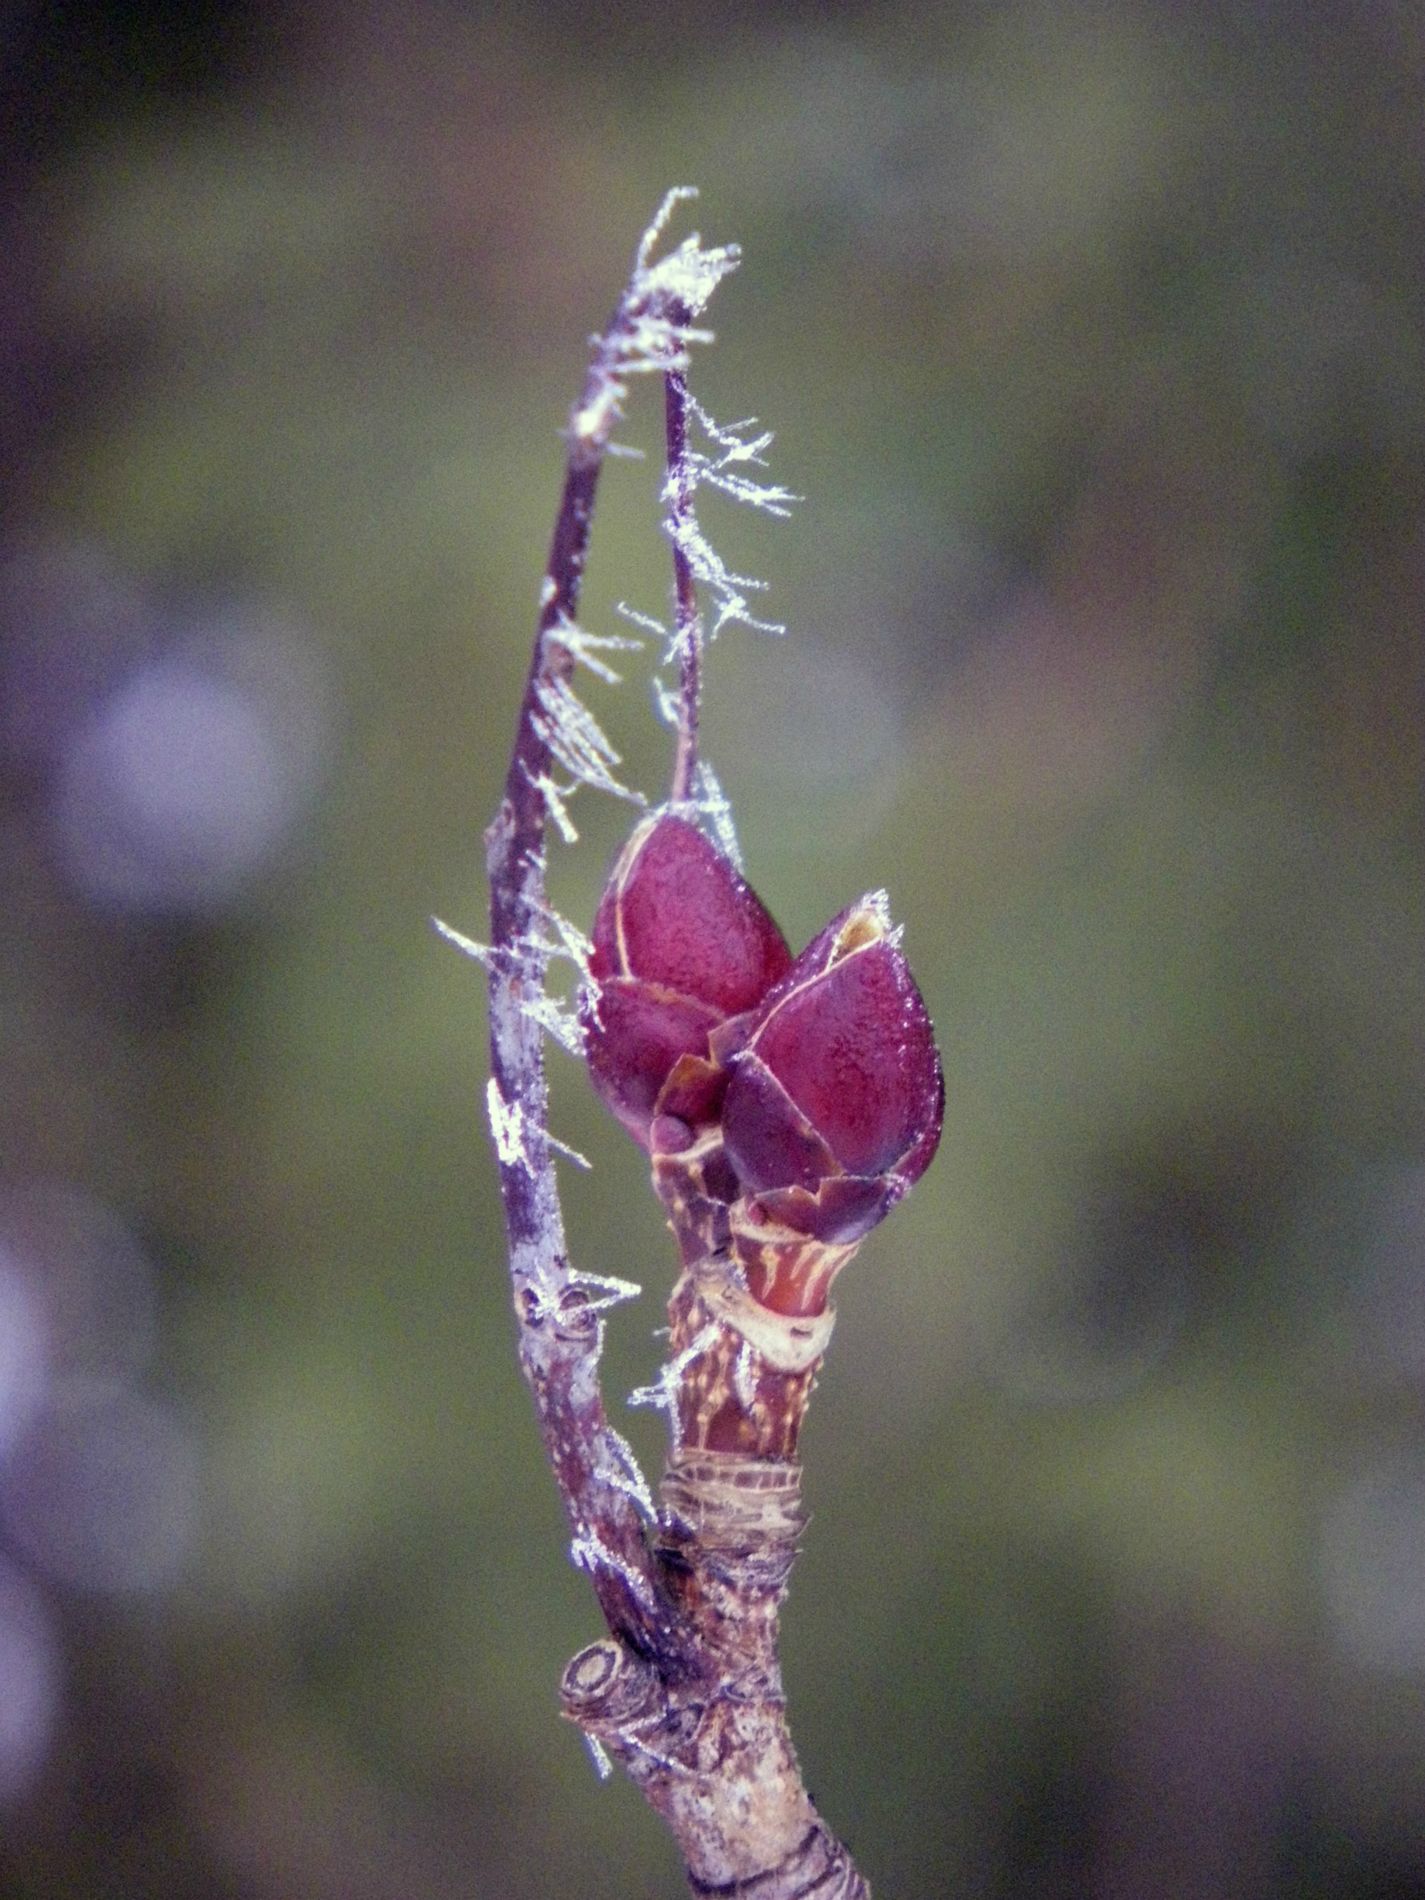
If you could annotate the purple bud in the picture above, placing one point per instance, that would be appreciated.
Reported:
(834, 1108)
(681, 944)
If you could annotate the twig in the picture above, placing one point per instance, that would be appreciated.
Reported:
(685, 1692)
(687, 621)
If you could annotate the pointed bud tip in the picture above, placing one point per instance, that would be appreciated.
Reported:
(839, 1075)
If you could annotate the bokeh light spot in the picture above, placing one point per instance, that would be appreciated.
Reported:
(29, 1681)
(104, 1495)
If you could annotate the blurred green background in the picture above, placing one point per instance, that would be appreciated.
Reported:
(1091, 334)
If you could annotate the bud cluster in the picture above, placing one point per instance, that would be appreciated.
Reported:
(786, 1103)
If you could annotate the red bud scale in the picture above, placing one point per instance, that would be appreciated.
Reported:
(786, 1105)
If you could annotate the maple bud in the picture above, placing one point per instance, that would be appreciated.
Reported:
(682, 945)
(833, 1109)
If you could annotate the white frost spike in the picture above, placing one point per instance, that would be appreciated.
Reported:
(662, 1395)
(737, 450)
(690, 274)
(624, 1475)
(655, 345)
(666, 703)
(771, 500)
(557, 1022)
(611, 1290)
(598, 1754)
(573, 942)
(577, 740)
(555, 803)
(571, 1154)
(726, 587)
(507, 1127)
(646, 339)
(729, 436)
(586, 647)
(664, 1762)
(481, 952)
(672, 198)
(588, 1551)
(567, 940)
(574, 734)
(655, 1396)
(646, 621)
(712, 802)
(744, 1377)
(597, 416)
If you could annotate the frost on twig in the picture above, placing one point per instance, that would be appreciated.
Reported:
(724, 470)
(663, 1394)
(506, 1127)
(713, 806)
(586, 647)
(555, 1017)
(576, 739)
(555, 798)
(570, 1154)
(653, 327)
(608, 1290)
(588, 1551)
(625, 1475)
(558, 1021)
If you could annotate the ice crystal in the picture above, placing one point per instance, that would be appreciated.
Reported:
(555, 797)
(481, 952)
(570, 1154)
(744, 1377)
(662, 1395)
(660, 1760)
(507, 1127)
(646, 621)
(623, 1473)
(561, 939)
(729, 590)
(557, 1020)
(577, 740)
(653, 331)
(724, 471)
(598, 1754)
(608, 1289)
(588, 1551)
(586, 647)
(712, 804)
(688, 275)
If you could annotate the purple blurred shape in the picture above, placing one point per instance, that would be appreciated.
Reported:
(24, 1351)
(104, 1495)
(70, 626)
(29, 1681)
(1372, 1561)
(185, 782)
(87, 1286)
